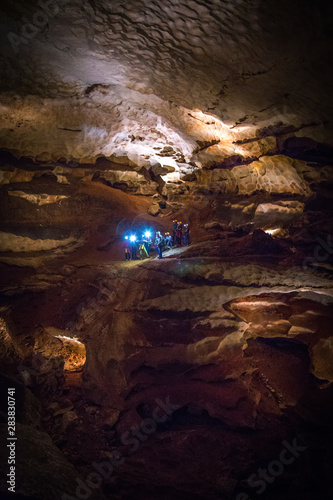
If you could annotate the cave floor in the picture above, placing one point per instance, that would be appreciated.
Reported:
(232, 329)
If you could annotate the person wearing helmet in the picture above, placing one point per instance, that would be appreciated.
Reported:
(159, 242)
(168, 239)
(174, 230)
(133, 246)
(147, 241)
(179, 233)
(126, 247)
(142, 250)
(186, 235)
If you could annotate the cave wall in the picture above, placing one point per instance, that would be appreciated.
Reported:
(121, 116)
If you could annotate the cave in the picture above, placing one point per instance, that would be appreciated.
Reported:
(206, 373)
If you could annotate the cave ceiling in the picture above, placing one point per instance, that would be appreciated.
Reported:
(83, 79)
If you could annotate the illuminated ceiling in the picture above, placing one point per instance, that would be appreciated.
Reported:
(129, 78)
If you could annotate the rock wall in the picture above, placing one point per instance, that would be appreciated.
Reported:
(192, 373)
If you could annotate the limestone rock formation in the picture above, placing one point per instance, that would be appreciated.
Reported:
(187, 375)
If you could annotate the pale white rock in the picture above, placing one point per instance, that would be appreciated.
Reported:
(38, 199)
(119, 77)
(271, 174)
(10, 242)
(17, 175)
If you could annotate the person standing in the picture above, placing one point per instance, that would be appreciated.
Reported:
(133, 246)
(179, 233)
(186, 235)
(160, 242)
(168, 239)
(126, 247)
(147, 241)
(174, 230)
(142, 250)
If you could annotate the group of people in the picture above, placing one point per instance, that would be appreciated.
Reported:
(180, 235)
(137, 248)
(140, 248)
